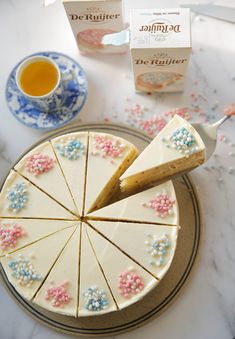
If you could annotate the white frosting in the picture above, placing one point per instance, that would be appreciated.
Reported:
(74, 170)
(101, 169)
(34, 230)
(66, 269)
(114, 262)
(132, 238)
(39, 205)
(91, 275)
(42, 255)
(52, 182)
(156, 154)
(132, 207)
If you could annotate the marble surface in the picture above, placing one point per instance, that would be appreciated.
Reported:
(206, 308)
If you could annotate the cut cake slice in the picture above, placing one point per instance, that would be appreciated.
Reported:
(155, 205)
(19, 198)
(176, 149)
(108, 157)
(93, 286)
(71, 153)
(60, 289)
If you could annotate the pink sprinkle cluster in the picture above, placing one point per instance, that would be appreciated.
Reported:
(129, 283)
(108, 147)
(183, 112)
(39, 163)
(59, 295)
(162, 204)
(9, 235)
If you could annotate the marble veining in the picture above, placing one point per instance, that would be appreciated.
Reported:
(206, 307)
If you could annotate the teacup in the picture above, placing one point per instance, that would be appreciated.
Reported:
(38, 78)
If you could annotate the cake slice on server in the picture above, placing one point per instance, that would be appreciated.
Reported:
(71, 153)
(41, 167)
(153, 246)
(128, 281)
(27, 268)
(19, 198)
(176, 149)
(108, 157)
(95, 297)
(60, 289)
(18, 233)
(155, 205)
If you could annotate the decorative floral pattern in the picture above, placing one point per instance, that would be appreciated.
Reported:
(130, 283)
(58, 295)
(107, 147)
(72, 149)
(162, 204)
(95, 299)
(39, 163)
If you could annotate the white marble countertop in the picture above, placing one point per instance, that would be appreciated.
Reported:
(206, 308)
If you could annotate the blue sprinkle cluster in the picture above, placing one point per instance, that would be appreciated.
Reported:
(23, 271)
(95, 299)
(71, 150)
(158, 248)
(18, 197)
(183, 141)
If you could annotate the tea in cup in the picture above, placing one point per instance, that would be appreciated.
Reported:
(39, 80)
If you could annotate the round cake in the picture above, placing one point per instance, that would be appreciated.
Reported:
(65, 245)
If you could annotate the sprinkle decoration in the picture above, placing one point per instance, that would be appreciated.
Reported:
(23, 271)
(107, 147)
(130, 283)
(18, 197)
(9, 235)
(95, 299)
(162, 204)
(39, 163)
(183, 141)
(58, 295)
(157, 247)
(72, 149)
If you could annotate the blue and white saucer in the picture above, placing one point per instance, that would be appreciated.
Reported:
(75, 86)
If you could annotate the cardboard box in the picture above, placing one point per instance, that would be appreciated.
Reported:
(160, 43)
(91, 20)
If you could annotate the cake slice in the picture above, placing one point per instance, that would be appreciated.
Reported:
(19, 198)
(108, 157)
(128, 281)
(153, 246)
(27, 268)
(176, 149)
(94, 296)
(71, 153)
(59, 291)
(18, 233)
(155, 205)
(41, 167)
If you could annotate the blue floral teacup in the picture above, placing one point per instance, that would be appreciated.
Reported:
(51, 99)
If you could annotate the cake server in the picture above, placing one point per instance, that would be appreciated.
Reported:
(208, 133)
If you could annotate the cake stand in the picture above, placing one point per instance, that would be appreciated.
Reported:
(160, 298)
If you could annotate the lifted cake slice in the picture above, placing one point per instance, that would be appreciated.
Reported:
(71, 153)
(19, 198)
(41, 167)
(60, 289)
(95, 297)
(155, 205)
(153, 246)
(108, 157)
(128, 281)
(18, 233)
(27, 268)
(176, 149)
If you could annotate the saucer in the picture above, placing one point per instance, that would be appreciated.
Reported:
(75, 87)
